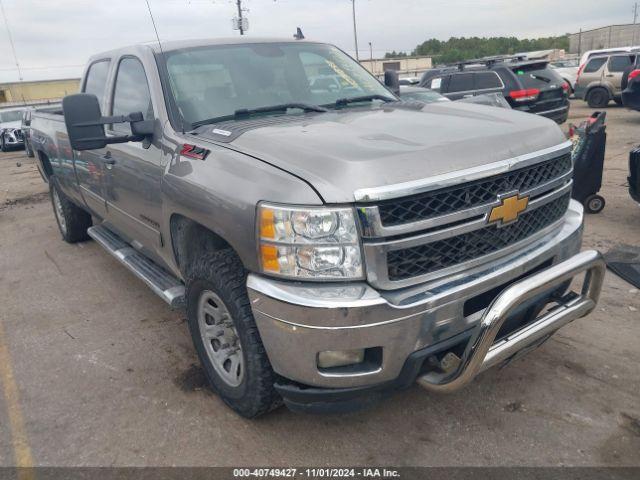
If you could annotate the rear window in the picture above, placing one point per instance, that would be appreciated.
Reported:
(594, 65)
(537, 76)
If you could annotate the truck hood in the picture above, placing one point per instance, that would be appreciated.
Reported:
(342, 151)
(5, 125)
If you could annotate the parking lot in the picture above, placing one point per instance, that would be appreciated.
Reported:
(95, 370)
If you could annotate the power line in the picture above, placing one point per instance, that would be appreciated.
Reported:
(13, 48)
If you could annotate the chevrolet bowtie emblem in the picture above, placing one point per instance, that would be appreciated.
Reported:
(508, 210)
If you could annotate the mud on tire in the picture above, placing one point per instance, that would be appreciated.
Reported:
(72, 221)
(223, 274)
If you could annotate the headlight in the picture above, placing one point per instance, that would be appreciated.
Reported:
(314, 242)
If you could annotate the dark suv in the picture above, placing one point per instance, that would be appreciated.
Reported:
(529, 86)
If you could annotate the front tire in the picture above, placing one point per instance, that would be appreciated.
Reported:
(598, 98)
(72, 221)
(3, 145)
(225, 334)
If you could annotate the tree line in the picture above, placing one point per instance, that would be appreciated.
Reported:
(461, 48)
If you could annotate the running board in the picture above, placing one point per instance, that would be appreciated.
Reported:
(165, 285)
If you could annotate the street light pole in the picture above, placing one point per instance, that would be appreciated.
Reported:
(355, 31)
(371, 51)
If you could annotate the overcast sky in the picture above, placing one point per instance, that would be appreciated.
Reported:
(53, 38)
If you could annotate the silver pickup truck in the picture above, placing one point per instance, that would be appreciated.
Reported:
(330, 243)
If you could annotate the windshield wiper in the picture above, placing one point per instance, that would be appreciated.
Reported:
(244, 112)
(341, 102)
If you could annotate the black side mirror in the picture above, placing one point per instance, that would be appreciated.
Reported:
(81, 116)
(85, 124)
(392, 81)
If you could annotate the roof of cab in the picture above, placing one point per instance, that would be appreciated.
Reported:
(202, 42)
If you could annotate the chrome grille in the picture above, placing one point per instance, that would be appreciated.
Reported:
(479, 192)
(439, 226)
(430, 257)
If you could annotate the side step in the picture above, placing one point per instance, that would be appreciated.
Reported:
(165, 285)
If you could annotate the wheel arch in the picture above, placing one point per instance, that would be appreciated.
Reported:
(44, 165)
(592, 87)
(189, 239)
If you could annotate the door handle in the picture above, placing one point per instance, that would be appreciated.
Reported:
(108, 160)
(610, 75)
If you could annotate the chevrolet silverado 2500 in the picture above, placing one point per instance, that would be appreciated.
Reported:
(330, 242)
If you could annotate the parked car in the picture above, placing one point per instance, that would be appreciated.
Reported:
(586, 56)
(600, 80)
(421, 94)
(631, 86)
(10, 129)
(328, 250)
(568, 71)
(528, 86)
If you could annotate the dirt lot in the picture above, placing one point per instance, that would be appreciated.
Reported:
(96, 370)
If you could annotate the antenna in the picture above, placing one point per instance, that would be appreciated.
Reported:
(13, 48)
(155, 29)
(154, 26)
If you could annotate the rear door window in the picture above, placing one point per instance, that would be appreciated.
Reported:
(460, 82)
(96, 79)
(594, 64)
(620, 63)
(487, 81)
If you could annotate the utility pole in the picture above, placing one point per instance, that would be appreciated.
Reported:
(371, 52)
(355, 31)
(239, 3)
(635, 19)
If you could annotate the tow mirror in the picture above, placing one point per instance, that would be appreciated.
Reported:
(392, 81)
(81, 114)
(85, 124)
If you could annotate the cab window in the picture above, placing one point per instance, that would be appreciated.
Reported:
(131, 93)
(96, 79)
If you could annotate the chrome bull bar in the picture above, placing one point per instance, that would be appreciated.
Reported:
(481, 351)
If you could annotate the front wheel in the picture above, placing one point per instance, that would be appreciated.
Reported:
(225, 335)
(3, 145)
(594, 203)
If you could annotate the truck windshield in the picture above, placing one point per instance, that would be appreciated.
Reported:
(214, 82)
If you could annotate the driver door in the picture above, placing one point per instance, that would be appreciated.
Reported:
(133, 171)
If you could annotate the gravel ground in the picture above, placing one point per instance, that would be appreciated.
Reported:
(105, 373)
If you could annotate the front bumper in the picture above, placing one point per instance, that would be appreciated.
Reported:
(558, 115)
(298, 320)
